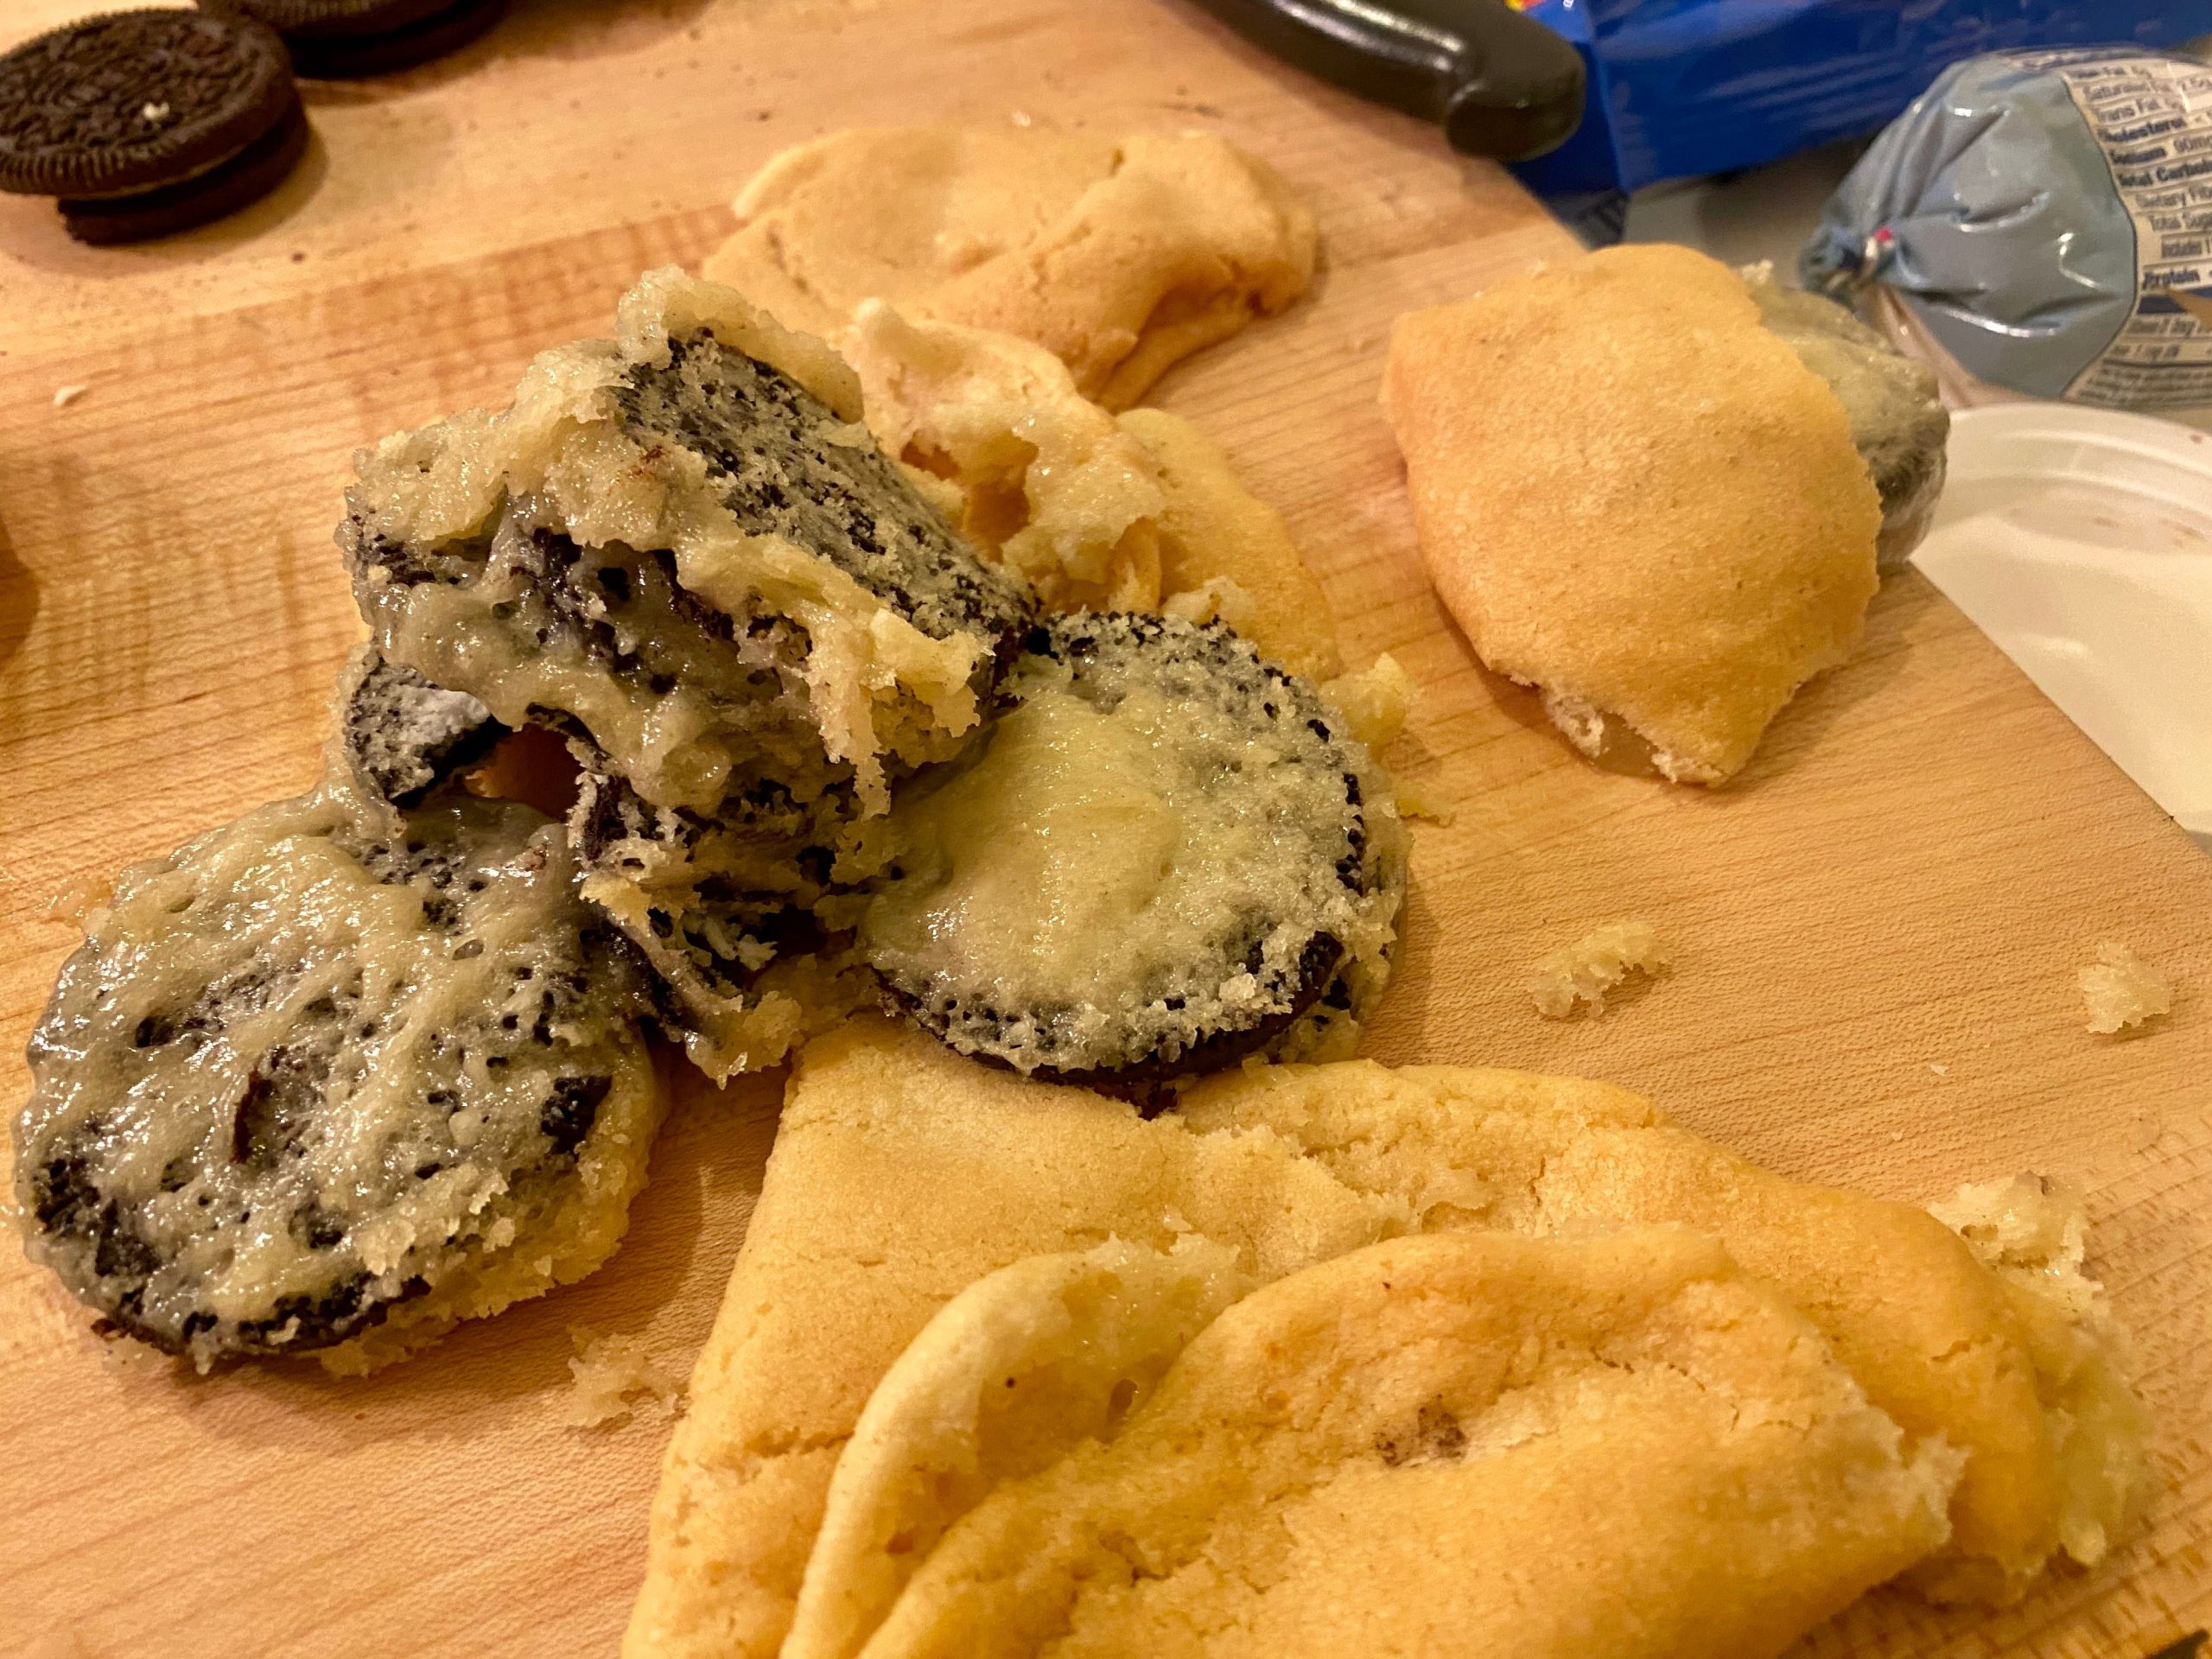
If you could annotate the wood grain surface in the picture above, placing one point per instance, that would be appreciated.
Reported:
(1877, 928)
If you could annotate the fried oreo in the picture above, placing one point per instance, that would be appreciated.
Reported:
(679, 548)
(330, 1079)
(145, 123)
(1167, 856)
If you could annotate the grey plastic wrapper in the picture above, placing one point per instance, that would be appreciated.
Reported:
(1989, 206)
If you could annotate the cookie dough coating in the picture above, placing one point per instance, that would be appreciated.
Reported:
(683, 546)
(1119, 257)
(404, 736)
(326, 1078)
(1157, 861)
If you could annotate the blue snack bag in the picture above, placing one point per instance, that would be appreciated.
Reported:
(2047, 217)
(1680, 88)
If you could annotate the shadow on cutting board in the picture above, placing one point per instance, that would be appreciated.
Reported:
(18, 598)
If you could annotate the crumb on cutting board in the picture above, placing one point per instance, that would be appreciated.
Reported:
(1594, 965)
(2122, 990)
(612, 1376)
(65, 396)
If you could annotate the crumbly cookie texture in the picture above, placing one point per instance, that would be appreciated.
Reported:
(1022, 1367)
(1632, 495)
(1161, 860)
(1226, 555)
(1583, 974)
(2032, 1233)
(2120, 991)
(682, 545)
(738, 912)
(1119, 256)
(1898, 423)
(1049, 485)
(328, 1080)
(1465, 1443)
(614, 1377)
(403, 735)
(1145, 513)
(902, 1174)
(1933, 1337)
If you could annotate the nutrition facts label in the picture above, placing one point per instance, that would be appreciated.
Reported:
(2153, 119)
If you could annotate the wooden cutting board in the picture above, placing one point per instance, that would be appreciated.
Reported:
(1877, 926)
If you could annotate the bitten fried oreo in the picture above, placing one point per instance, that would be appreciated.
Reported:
(1163, 857)
(331, 1079)
(339, 40)
(144, 123)
(680, 548)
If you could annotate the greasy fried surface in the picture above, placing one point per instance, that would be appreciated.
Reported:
(1226, 555)
(1145, 513)
(1467, 1443)
(1117, 257)
(1629, 494)
(1048, 484)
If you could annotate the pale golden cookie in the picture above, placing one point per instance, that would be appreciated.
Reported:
(902, 1174)
(1464, 1445)
(1932, 1336)
(1631, 494)
(1226, 555)
(1119, 256)
(1017, 1370)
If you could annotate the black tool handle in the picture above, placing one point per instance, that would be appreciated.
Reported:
(1500, 84)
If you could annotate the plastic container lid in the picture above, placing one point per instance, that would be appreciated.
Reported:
(2080, 540)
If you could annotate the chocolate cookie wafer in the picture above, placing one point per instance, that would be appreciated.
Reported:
(342, 39)
(145, 123)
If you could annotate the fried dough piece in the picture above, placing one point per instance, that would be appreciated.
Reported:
(1898, 423)
(1226, 555)
(1467, 1443)
(1119, 256)
(1142, 514)
(1020, 1369)
(902, 1174)
(1931, 1333)
(1629, 494)
(1048, 484)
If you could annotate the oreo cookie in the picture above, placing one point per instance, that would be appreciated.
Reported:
(403, 736)
(145, 123)
(1167, 855)
(700, 570)
(331, 1078)
(344, 40)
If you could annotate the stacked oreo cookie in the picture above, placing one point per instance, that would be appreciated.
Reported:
(143, 124)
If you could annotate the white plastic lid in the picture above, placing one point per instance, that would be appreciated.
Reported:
(2080, 540)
